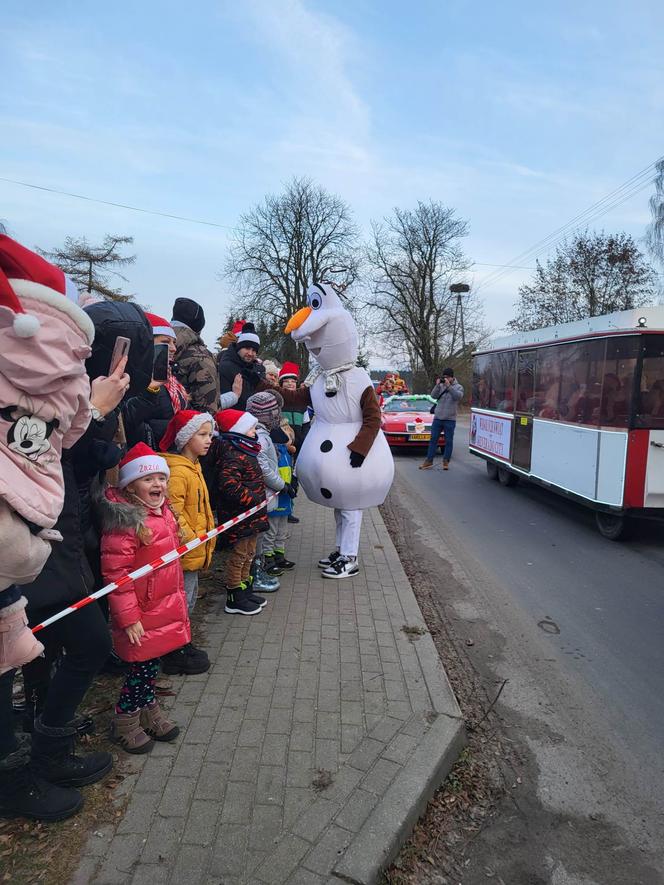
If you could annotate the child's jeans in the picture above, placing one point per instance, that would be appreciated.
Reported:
(238, 563)
(191, 589)
(138, 689)
(276, 536)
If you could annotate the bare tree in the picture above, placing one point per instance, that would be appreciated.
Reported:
(414, 256)
(285, 243)
(91, 266)
(592, 274)
(655, 232)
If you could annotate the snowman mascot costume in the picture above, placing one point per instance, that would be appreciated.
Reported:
(345, 461)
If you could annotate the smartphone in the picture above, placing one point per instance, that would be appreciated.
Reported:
(160, 364)
(120, 349)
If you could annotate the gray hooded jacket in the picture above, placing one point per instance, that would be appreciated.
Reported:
(269, 464)
(448, 399)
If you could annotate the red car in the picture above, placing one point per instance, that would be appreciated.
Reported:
(406, 421)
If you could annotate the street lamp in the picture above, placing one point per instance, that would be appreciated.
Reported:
(459, 289)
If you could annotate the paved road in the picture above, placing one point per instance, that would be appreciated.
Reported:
(575, 622)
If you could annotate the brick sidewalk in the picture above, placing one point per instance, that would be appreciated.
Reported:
(309, 748)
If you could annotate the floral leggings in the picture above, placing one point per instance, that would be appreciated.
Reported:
(138, 689)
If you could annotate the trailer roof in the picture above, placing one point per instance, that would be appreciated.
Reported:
(644, 319)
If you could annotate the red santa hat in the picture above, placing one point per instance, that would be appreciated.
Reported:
(160, 326)
(182, 427)
(24, 274)
(289, 370)
(237, 327)
(141, 461)
(235, 421)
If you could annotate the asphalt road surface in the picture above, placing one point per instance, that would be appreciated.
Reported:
(575, 623)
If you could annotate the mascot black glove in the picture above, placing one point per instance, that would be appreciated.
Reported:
(356, 460)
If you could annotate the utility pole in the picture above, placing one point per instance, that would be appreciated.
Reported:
(459, 289)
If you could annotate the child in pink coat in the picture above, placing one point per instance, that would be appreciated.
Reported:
(149, 616)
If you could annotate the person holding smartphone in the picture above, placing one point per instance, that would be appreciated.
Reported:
(448, 393)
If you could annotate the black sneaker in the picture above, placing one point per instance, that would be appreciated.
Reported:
(342, 567)
(327, 561)
(254, 597)
(281, 562)
(185, 661)
(238, 603)
(271, 567)
(293, 520)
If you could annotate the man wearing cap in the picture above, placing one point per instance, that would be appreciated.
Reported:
(242, 356)
(194, 365)
(449, 393)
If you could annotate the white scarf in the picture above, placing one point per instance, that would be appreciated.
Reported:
(332, 377)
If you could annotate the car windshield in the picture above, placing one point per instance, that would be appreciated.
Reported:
(407, 405)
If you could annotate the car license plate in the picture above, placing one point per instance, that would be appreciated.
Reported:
(420, 436)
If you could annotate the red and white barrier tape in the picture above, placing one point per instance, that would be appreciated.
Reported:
(156, 564)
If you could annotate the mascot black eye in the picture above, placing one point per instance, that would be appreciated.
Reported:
(315, 302)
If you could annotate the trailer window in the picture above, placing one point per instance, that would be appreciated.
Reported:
(618, 381)
(650, 405)
(493, 381)
(582, 367)
(525, 386)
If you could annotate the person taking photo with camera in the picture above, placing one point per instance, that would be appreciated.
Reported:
(448, 393)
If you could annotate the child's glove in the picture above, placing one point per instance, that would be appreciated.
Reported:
(290, 491)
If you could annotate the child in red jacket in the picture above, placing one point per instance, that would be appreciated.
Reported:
(149, 615)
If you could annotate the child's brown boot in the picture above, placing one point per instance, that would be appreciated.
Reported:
(157, 724)
(126, 730)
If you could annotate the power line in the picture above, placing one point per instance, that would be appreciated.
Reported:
(53, 190)
(635, 181)
(613, 199)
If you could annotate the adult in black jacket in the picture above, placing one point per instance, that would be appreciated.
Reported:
(72, 570)
(242, 357)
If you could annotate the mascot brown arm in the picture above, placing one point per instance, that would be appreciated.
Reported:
(294, 400)
(368, 432)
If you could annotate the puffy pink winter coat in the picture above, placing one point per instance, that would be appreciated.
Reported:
(44, 400)
(158, 601)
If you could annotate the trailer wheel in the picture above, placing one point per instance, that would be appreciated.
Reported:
(611, 526)
(506, 477)
(492, 470)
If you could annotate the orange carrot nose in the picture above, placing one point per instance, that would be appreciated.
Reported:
(297, 319)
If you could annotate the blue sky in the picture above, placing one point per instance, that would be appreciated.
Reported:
(519, 115)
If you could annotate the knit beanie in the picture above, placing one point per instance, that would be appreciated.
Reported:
(140, 461)
(271, 368)
(266, 406)
(235, 421)
(248, 337)
(190, 313)
(182, 426)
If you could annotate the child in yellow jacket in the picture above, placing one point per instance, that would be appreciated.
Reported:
(187, 438)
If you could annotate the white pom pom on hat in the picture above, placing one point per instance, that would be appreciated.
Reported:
(26, 275)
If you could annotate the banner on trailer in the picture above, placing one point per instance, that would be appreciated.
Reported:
(491, 434)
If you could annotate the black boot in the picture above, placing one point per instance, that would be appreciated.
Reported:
(281, 562)
(24, 794)
(185, 661)
(54, 757)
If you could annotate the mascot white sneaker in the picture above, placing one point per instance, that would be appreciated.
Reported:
(345, 461)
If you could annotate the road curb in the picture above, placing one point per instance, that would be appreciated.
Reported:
(391, 822)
